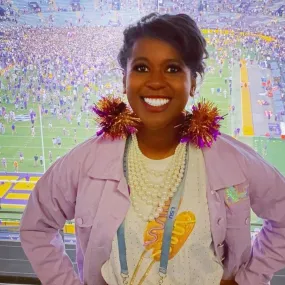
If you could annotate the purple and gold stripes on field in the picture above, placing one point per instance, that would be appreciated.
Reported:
(15, 195)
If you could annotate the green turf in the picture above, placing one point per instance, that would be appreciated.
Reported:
(22, 141)
(11, 145)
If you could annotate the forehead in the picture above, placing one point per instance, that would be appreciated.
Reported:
(154, 49)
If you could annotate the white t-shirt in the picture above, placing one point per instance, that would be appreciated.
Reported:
(195, 262)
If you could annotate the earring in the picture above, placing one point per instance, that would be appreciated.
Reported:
(115, 118)
(201, 125)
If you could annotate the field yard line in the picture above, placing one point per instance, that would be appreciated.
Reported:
(16, 155)
(46, 127)
(10, 173)
(11, 136)
(15, 146)
(12, 159)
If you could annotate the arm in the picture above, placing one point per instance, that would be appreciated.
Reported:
(267, 197)
(50, 205)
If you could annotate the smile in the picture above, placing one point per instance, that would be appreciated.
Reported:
(156, 102)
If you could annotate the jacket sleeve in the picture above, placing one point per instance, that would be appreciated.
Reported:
(50, 205)
(267, 198)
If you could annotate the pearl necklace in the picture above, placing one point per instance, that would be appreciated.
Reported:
(153, 194)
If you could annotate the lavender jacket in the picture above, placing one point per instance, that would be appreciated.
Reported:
(88, 185)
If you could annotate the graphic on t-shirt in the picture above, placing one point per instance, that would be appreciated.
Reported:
(153, 237)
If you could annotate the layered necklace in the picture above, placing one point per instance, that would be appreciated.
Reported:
(154, 194)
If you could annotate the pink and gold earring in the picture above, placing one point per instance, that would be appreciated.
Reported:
(115, 118)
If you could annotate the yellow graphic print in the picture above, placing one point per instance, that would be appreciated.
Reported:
(153, 237)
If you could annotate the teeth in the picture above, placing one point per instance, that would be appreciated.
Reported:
(156, 102)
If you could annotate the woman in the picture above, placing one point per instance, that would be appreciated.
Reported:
(154, 209)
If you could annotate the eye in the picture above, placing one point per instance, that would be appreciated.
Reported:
(173, 68)
(140, 68)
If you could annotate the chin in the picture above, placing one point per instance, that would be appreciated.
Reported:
(152, 124)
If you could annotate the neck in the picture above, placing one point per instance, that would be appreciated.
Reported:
(159, 144)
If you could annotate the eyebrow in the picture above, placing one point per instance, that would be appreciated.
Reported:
(166, 60)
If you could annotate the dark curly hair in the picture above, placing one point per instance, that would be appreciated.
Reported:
(180, 30)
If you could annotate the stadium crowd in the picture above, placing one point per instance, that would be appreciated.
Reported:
(66, 68)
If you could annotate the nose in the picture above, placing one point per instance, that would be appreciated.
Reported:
(156, 81)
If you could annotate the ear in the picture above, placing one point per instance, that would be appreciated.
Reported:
(193, 86)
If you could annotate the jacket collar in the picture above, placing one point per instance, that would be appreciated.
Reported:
(221, 162)
(108, 155)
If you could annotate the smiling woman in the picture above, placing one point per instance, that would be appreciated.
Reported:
(156, 206)
(161, 58)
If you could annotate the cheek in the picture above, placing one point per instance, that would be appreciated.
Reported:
(131, 84)
(132, 89)
(183, 91)
(132, 98)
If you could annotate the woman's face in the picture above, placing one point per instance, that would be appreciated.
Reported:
(157, 83)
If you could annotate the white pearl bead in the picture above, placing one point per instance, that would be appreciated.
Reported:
(164, 199)
(159, 209)
(156, 215)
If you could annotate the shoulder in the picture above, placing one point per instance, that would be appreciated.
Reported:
(93, 147)
(246, 160)
(93, 152)
(68, 170)
(228, 146)
(84, 149)
(231, 162)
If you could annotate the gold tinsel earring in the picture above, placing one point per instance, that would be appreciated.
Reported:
(115, 118)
